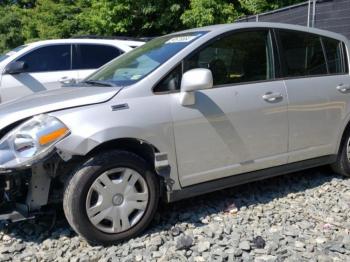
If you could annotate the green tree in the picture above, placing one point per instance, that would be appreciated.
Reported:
(52, 19)
(258, 6)
(136, 18)
(208, 12)
(10, 28)
(19, 3)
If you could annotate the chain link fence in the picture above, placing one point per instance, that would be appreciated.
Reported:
(332, 15)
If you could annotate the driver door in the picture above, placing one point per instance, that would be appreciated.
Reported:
(239, 125)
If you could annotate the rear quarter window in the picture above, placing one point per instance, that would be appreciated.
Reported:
(346, 60)
(336, 55)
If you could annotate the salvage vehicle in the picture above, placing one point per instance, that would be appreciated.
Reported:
(46, 65)
(183, 115)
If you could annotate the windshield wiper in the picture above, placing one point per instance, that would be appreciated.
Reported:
(98, 82)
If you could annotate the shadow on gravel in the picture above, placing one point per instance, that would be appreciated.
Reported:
(192, 210)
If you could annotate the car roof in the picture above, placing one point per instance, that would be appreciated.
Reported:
(241, 25)
(114, 42)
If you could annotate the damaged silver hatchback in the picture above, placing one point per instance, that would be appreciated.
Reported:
(183, 115)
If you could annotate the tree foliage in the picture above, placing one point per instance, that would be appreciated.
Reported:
(52, 19)
(29, 20)
(255, 7)
(11, 34)
(146, 17)
(208, 12)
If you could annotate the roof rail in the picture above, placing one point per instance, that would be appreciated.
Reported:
(127, 38)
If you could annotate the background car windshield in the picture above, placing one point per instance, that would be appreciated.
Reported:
(135, 65)
(13, 51)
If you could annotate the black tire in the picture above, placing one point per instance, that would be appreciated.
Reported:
(342, 165)
(80, 181)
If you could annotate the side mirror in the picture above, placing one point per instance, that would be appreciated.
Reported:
(192, 80)
(16, 67)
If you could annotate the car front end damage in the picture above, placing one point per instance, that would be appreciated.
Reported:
(13, 192)
(29, 165)
(24, 192)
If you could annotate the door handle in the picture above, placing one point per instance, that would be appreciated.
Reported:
(66, 80)
(343, 88)
(272, 97)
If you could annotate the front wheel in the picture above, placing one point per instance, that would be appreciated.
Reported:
(342, 165)
(111, 198)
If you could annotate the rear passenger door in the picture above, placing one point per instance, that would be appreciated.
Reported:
(241, 123)
(315, 68)
(88, 57)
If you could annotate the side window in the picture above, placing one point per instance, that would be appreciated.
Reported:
(302, 53)
(334, 54)
(171, 82)
(88, 56)
(240, 57)
(48, 58)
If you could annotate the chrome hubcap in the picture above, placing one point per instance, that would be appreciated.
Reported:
(117, 200)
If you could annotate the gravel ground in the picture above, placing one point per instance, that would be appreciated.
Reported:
(298, 217)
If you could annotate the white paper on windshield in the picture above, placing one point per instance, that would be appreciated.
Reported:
(181, 39)
(135, 77)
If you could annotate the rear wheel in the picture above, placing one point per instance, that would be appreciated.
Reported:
(111, 198)
(342, 165)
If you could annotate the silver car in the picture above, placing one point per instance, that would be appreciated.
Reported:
(183, 115)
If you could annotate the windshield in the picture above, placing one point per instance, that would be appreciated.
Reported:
(138, 63)
(12, 52)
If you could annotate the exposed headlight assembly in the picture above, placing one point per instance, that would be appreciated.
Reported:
(31, 141)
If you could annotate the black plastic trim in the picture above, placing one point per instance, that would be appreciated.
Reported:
(235, 180)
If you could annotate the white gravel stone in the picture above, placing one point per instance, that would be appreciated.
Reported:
(321, 240)
(265, 258)
(244, 245)
(299, 244)
(203, 246)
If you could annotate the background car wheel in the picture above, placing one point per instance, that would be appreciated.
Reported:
(112, 197)
(342, 165)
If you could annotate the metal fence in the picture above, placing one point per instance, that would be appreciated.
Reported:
(332, 15)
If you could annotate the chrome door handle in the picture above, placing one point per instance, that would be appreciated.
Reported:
(66, 80)
(343, 88)
(272, 97)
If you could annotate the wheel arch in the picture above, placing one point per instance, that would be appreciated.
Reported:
(139, 147)
(157, 160)
(345, 128)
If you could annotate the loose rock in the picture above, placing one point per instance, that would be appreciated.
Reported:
(184, 242)
(203, 246)
(245, 245)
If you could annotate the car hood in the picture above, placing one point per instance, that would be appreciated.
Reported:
(48, 101)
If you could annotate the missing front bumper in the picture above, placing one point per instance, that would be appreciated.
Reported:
(23, 192)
